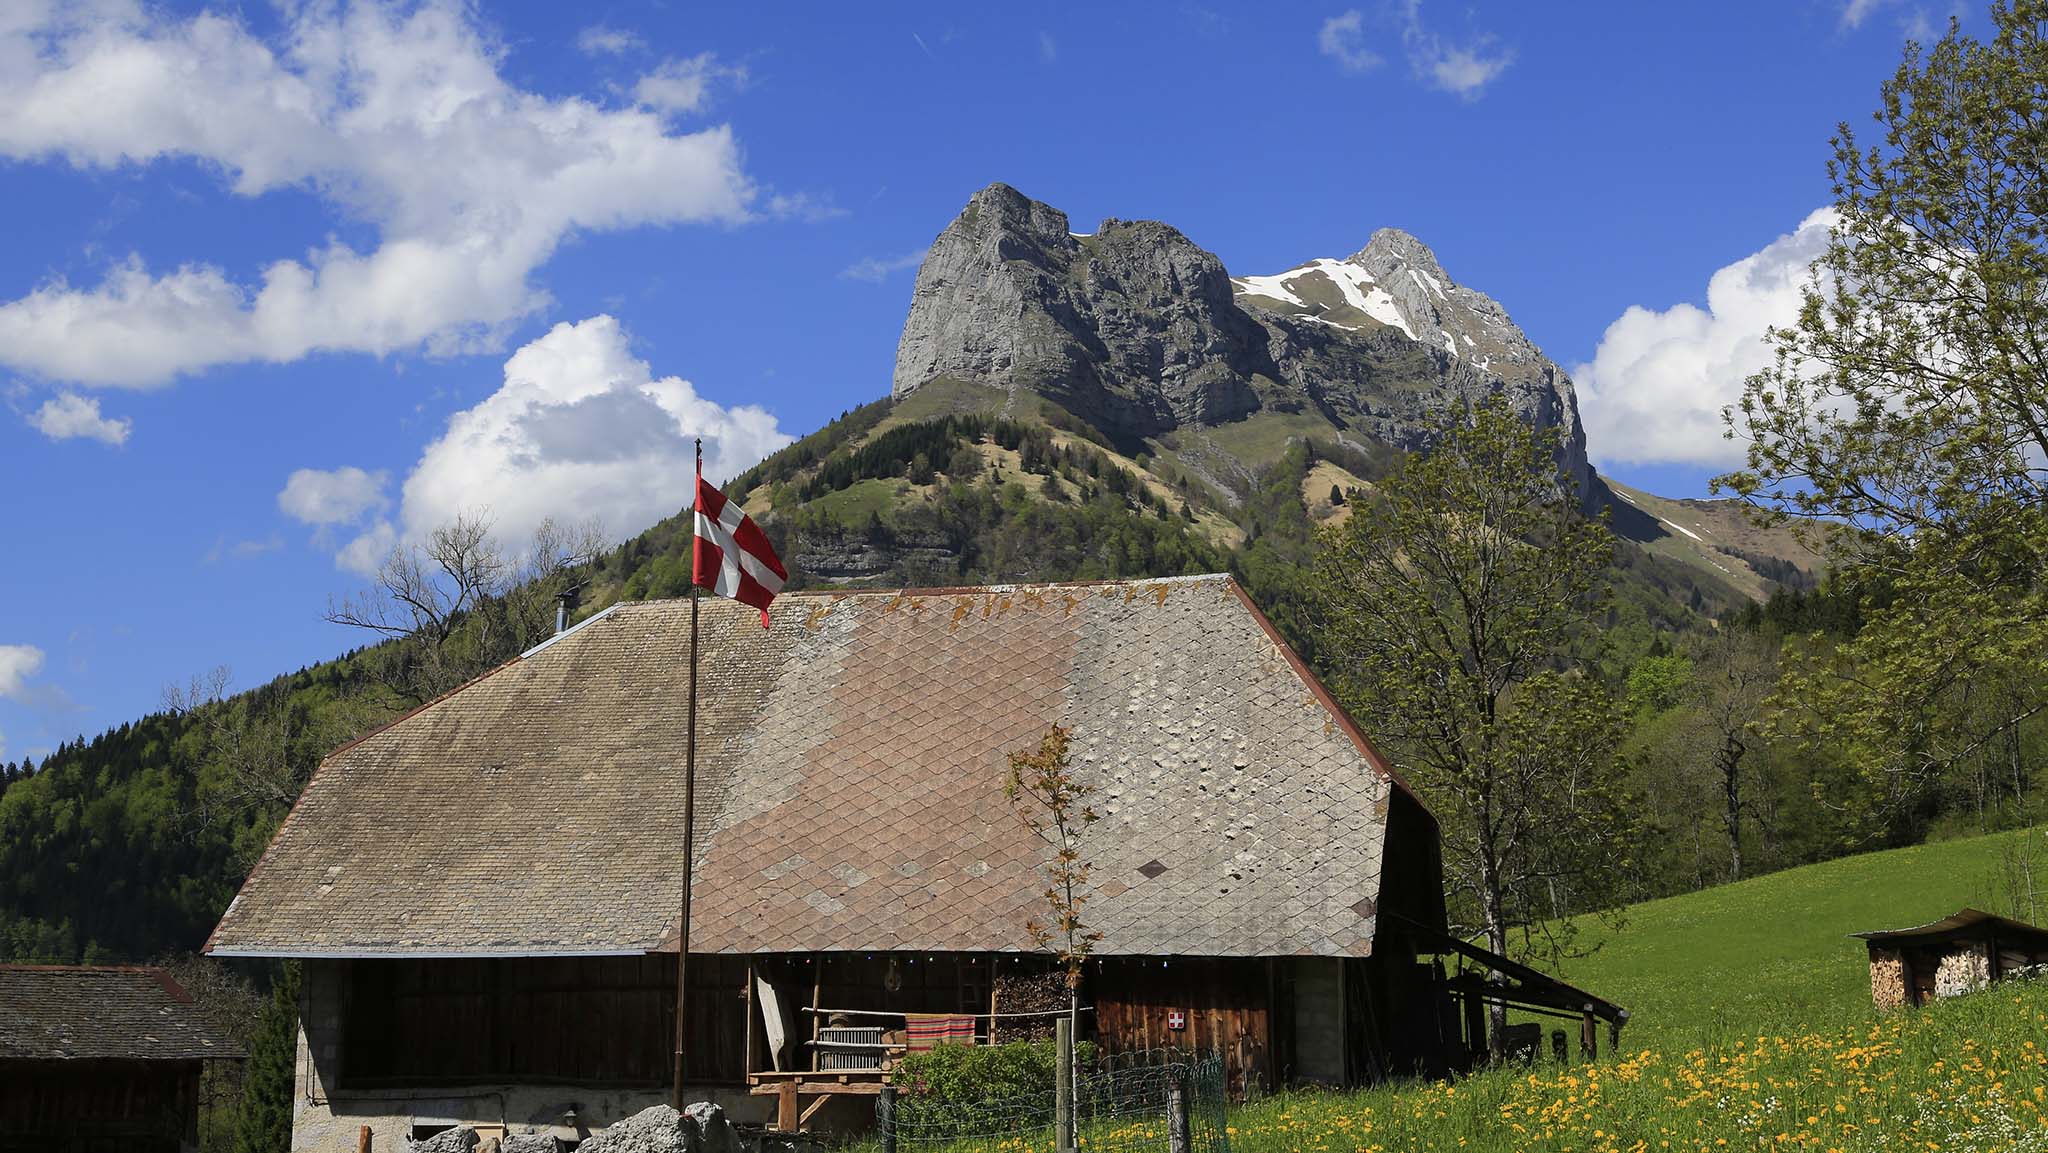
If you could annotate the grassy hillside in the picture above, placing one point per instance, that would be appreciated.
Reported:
(1717, 537)
(1775, 951)
(1753, 1029)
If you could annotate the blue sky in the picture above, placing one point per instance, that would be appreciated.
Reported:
(282, 285)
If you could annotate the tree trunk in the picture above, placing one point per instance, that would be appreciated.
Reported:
(1497, 940)
(1731, 792)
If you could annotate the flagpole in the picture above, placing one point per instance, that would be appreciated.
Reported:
(689, 826)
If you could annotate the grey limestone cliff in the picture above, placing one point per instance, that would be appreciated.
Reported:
(1140, 331)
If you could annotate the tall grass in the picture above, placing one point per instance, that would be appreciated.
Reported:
(1967, 1075)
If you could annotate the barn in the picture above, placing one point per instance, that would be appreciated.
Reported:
(485, 892)
(99, 1058)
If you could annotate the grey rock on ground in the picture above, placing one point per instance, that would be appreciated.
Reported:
(531, 1143)
(461, 1139)
(709, 1129)
(660, 1129)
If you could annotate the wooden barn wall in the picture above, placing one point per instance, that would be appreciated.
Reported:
(570, 1020)
(1411, 870)
(924, 982)
(1227, 1001)
(89, 1106)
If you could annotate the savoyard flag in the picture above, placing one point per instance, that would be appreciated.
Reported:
(732, 556)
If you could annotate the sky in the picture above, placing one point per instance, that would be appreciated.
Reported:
(284, 286)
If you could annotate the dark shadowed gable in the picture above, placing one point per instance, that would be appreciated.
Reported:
(850, 771)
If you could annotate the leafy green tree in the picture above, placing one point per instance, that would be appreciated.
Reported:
(1908, 410)
(1658, 682)
(265, 1124)
(1452, 603)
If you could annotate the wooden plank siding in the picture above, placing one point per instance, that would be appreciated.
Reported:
(568, 1020)
(89, 1106)
(1226, 1000)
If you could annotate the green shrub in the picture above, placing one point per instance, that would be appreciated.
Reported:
(968, 1088)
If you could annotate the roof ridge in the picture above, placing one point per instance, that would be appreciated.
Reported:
(25, 967)
(951, 590)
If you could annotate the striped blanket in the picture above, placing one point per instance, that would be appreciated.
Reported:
(924, 1030)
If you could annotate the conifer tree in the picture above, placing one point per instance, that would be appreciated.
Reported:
(265, 1124)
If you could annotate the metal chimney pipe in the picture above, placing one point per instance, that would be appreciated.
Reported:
(561, 614)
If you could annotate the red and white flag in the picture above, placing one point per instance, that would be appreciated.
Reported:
(732, 556)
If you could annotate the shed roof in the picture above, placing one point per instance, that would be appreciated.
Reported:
(101, 1013)
(1964, 923)
(850, 768)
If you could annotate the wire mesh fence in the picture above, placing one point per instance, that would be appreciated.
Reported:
(1171, 1101)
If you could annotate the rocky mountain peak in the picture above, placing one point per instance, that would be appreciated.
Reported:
(1140, 331)
(1393, 245)
(1132, 327)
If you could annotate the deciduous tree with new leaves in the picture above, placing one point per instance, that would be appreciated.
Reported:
(1453, 605)
(1907, 412)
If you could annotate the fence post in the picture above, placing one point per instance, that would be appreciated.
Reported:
(1063, 1095)
(1179, 1139)
(1557, 1048)
(1589, 1036)
(885, 1117)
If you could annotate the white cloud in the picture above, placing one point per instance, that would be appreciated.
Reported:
(876, 269)
(1855, 12)
(803, 206)
(69, 415)
(598, 40)
(1656, 386)
(397, 116)
(1915, 21)
(242, 549)
(363, 554)
(681, 86)
(580, 428)
(332, 496)
(1343, 39)
(17, 664)
(1462, 69)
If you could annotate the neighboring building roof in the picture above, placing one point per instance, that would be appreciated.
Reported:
(850, 768)
(1966, 923)
(101, 1013)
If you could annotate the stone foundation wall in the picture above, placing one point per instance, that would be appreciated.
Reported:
(327, 1118)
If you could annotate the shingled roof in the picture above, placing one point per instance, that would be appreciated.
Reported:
(101, 1013)
(850, 768)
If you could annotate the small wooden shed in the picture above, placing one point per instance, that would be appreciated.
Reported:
(1958, 954)
(100, 1058)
